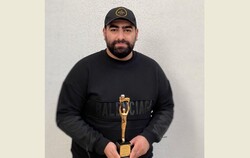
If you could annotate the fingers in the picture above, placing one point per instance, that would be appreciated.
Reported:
(140, 148)
(132, 142)
(134, 153)
(111, 151)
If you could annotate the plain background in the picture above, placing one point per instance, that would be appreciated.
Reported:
(22, 67)
(171, 32)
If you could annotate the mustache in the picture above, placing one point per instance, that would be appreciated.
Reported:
(121, 41)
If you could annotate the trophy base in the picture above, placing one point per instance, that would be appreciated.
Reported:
(124, 149)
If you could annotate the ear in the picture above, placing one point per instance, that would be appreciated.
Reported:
(136, 33)
(104, 31)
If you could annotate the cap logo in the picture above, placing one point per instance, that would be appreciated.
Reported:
(121, 12)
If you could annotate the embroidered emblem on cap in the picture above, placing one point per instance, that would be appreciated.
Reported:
(121, 12)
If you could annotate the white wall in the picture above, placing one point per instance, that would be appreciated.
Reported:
(170, 31)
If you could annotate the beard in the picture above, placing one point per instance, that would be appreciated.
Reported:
(120, 52)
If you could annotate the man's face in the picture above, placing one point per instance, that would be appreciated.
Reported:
(120, 37)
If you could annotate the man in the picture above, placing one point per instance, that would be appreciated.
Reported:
(88, 103)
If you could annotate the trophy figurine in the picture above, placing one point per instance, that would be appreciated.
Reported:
(124, 147)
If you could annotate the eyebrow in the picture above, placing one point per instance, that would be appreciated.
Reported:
(124, 27)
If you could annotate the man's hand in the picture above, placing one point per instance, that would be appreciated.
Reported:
(111, 151)
(141, 146)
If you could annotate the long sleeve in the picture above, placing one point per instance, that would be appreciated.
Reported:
(163, 111)
(70, 105)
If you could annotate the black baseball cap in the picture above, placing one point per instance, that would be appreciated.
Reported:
(120, 13)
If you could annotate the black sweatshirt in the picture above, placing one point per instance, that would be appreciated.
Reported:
(88, 103)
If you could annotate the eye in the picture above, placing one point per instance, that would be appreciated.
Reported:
(113, 29)
(128, 30)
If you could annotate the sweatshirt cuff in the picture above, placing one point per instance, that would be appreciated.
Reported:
(100, 145)
(150, 137)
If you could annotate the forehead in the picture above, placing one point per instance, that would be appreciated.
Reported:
(121, 22)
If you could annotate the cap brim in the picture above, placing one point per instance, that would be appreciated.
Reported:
(107, 23)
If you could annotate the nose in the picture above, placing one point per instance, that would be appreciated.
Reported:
(120, 35)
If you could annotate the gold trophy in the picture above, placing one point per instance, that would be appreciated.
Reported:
(124, 147)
